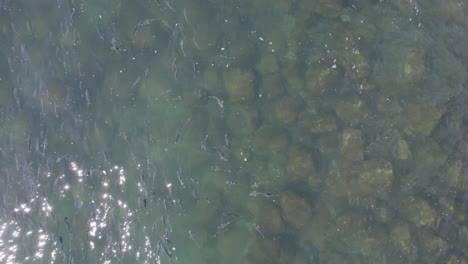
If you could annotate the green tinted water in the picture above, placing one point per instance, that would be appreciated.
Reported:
(233, 131)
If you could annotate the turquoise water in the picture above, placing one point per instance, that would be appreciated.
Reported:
(233, 131)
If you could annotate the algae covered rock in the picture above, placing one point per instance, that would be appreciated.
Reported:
(317, 123)
(419, 212)
(352, 145)
(232, 242)
(351, 111)
(350, 227)
(402, 67)
(301, 166)
(401, 238)
(269, 220)
(293, 77)
(269, 142)
(319, 78)
(268, 63)
(286, 110)
(314, 233)
(376, 178)
(428, 159)
(327, 8)
(295, 210)
(434, 247)
(402, 150)
(271, 87)
(263, 251)
(242, 119)
(382, 212)
(363, 184)
(413, 67)
(239, 85)
(449, 177)
(454, 258)
(356, 65)
(422, 119)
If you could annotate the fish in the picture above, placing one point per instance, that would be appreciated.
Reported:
(231, 214)
(143, 23)
(29, 141)
(192, 237)
(182, 47)
(194, 194)
(135, 83)
(61, 241)
(218, 168)
(258, 230)
(224, 225)
(179, 173)
(184, 127)
(222, 156)
(203, 143)
(99, 33)
(158, 247)
(255, 193)
(184, 11)
(227, 142)
(168, 251)
(218, 101)
(66, 222)
(88, 100)
(177, 137)
(169, 6)
(222, 228)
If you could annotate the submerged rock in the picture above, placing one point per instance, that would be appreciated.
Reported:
(403, 151)
(327, 8)
(422, 119)
(401, 238)
(271, 87)
(242, 120)
(233, 243)
(286, 110)
(402, 66)
(433, 248)
(419, 212)
(317, 123)
(301, 166)
(320, 79)
(268, 219)
(352, 145)
(263, 251)
(427, 159)
(268, 63)
(270, 142)
(376, 178)
(300, 162)
(296, 210)
(314, 233)
(352, 111)
(239, 85)
(356, 65)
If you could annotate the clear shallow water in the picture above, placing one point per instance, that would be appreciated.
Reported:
(233, 132)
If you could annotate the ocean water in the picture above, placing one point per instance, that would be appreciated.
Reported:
(175, 131)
